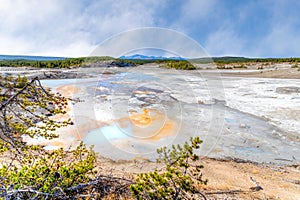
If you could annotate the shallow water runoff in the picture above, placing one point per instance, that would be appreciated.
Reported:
(131, 113)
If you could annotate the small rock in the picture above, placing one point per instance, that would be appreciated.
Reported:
(243, 126)
(256, 188)
(200, 102)
(287, 90)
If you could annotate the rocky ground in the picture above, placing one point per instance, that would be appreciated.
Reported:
(254, 117)
(248, 118)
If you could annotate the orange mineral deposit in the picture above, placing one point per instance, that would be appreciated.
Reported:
(151, 124)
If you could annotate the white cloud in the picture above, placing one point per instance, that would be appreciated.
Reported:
(75, 27)
(283, 37)
(224, 42)
(275, 34)
(196, 10)
(155, 38)
(193, 12)
(66, 27)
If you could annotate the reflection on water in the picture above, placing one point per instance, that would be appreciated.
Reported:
(150, 125)
(111, 132)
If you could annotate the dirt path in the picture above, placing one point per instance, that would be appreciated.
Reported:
(229, 178)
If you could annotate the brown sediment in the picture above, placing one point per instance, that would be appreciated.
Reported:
(151, 125)
(71, 134)
(277, 182)
(68, 90)
(57, 143)
(141, 92)
(168, 129)
(225, 175)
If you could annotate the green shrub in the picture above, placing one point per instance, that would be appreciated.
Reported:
(180, 178)
(183, 65)
(27, 110)
(242, 66)
(29, 171)
(260, 67)
(50, 170)
(224, 67)
(295, 65)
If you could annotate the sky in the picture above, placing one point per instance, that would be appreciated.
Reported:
(73, 28)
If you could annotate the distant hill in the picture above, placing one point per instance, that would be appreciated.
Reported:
(200, 60)
(233, 59)
(20, 57)
(144, 57)
(223, 59)
(137, 59)
(229, 59)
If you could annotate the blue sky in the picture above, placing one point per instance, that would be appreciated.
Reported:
(253, 28)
